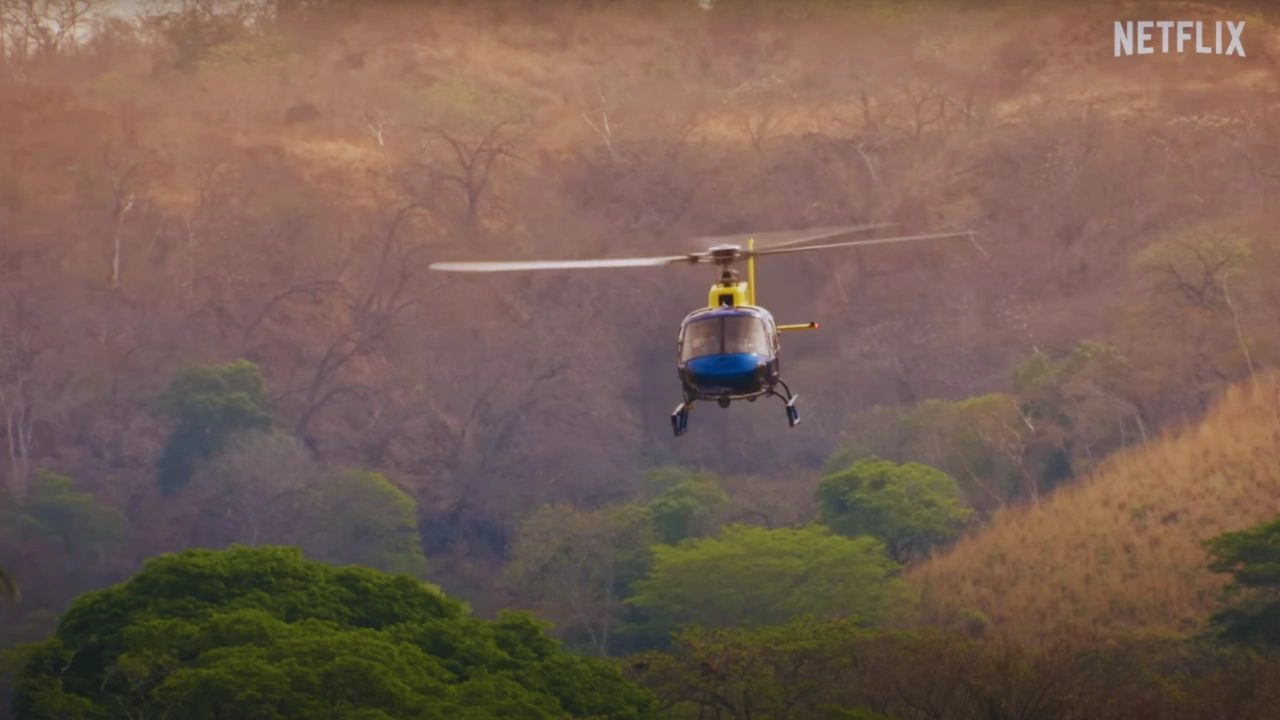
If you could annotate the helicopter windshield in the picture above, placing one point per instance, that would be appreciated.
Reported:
(725, 335)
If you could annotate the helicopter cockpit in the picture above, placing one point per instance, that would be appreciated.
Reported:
(726, 334)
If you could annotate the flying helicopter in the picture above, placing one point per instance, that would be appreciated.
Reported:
(728, 350)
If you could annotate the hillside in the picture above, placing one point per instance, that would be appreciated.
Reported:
(1121, 550)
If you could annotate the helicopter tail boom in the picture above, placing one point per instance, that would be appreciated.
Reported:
(799, 326)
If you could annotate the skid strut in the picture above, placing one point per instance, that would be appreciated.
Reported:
(793, 413)
(680, 418)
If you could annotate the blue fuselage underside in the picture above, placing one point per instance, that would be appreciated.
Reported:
(733, 372)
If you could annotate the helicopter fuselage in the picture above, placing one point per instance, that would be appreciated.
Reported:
(728, 353)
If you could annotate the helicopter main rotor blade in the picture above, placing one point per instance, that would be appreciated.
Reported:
(562, 264)
(852, 243)
(784, 238)
(792, 238)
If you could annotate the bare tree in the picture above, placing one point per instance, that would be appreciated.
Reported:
(928, 105)
(375, 120)
(19, 418)
(467, 166)
(372, 297)
(40, 364)
(20, 345)
(254, 491)
(601, 125)
(34, 29)
(131, 171)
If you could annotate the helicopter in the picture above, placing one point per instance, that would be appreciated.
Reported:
(727, 351)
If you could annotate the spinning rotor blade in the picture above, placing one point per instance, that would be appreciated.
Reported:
(782, 242)
(876, 241)
(784, 238)
(561, 264)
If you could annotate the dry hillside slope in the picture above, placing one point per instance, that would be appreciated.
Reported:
(1122, 550)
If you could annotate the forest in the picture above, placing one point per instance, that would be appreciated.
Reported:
(260, 462)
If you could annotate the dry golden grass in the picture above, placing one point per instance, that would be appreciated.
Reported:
(1122, 550)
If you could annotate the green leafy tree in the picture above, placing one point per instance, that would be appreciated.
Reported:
(789, 670)
(1252, 557)
(911, 507)
(358, 517)
(61, 540)
(575, 567)
(1079, 406)
(689, 504)
(263, 633)
(979, 441)
(211, 404)
(751, 576)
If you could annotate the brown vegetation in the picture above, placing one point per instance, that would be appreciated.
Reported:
(1121, 551)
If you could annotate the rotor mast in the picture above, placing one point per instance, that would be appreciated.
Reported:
(730, 291)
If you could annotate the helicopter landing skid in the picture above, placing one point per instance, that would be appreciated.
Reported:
(680, 417)
(793, 413)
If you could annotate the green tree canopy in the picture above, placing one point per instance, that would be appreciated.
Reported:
(211, 404)
(789, 670)
(751, 576)
(263, 633)
(1252, 557)
(688, 504)
(59, 538)
(358, 517)
(911, 507)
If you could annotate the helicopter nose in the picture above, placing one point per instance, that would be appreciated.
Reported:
(736, 371)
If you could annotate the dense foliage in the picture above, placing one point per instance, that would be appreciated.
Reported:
(210, 405)
(750, 576)
(836, 669)
(910, 507)
(263, 633)
(1252, 557)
